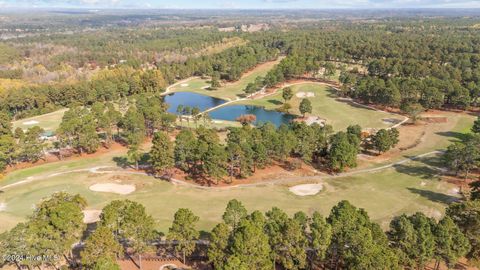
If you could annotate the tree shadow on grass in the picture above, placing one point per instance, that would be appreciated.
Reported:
(455, 136)
(434, 196)
(275, 102)
(121, 162)
(431, 161)
(424, 172)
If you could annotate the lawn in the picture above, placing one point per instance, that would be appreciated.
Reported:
(339, 114)
(49, 121)
(384, 194)
(229, 91)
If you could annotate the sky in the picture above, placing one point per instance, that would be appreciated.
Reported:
(239, 4)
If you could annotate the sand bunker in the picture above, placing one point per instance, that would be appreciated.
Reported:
(305, 94)
(306, 189)
(314, 119)
(91, 216)
(113, 188)
(390, 121)
(32, 122)
(184, 84)
(3, 207)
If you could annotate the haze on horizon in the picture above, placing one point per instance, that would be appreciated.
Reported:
(240, 4)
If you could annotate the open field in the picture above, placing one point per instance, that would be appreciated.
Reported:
(402, 189)
(49, 121)
(339, 114)
(229, 91)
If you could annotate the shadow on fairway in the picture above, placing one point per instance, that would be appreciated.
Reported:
(455, 136)
(422, 171)
(434, 196)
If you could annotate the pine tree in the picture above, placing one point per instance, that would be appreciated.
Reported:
(161, 154)
(305, 107)
(183, 232)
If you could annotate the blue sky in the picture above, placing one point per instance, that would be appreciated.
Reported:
(242, 4)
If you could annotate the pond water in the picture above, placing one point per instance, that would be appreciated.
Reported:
(229, 113)
(191, 99)
(232, 112)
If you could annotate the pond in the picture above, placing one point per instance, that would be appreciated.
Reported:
(191, 99)
(232, 112)
(229, 113)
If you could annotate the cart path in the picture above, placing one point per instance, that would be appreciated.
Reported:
(319, 177)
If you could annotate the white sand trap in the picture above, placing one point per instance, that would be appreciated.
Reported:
(314, 119)
(3, 207)
(305, 94)
(113, 188)
(454, 191)
(306, 190)
(29, 123)
(217, 121)
(205, 87)
(91, 216)
(184, 84)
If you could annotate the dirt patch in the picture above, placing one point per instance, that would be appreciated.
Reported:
(306, 189)
(113, 188)
(305, 94)
(91, 216)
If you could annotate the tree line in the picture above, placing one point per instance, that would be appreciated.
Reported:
(346, 239)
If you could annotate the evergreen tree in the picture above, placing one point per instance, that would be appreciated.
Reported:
(100, 244)
(476, 125)
(183, 232)
(305, 107)
(450, 243)
(219, 243)
(234, 213)
(161, 154)
(467, 217)
(250, 248)
(128, 220)
(287, 94)
(320, 238)
(342, 153)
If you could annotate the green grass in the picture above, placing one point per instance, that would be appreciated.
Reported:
(383, 194)
(49, 121)
(325, 105)
(229, 91)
